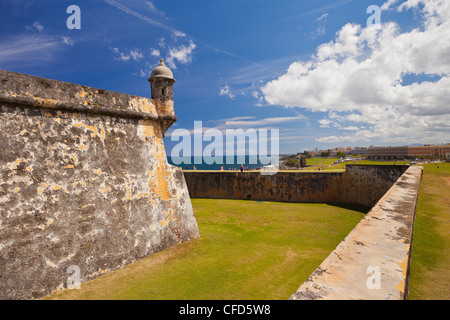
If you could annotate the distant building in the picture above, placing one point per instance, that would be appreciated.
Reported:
(409, 152)
(315, 153)
(358, 151)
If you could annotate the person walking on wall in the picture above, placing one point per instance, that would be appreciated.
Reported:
(242, 168)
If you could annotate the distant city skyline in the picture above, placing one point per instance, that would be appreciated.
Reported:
(324, 73)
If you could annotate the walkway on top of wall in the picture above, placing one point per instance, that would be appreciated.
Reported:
(372, 263)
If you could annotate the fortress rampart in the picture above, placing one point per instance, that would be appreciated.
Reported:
(359, 184)
(373, 261)
(85, 186)
(84, 182)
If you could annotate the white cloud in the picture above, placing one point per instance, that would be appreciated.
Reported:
(321, 28)
(155, 52)
(226, 91)
(38, 26)
(29, 50)
(325, 123)
(122, 56)
(141, 16)
(68, 41)
(152, 8)
(360, 77)
(261, 122)
(178, 34)
(136, 54)
(181, 54)
(162, 42)
(244, 122)
(436, 11)
(238, 118)
(388, 4)
(350, 128)
(146, 70)
(331, 139)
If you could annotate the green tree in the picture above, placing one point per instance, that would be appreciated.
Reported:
(293, 163)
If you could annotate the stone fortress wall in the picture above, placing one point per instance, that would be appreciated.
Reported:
(373, 261)
(359, 184)
(84, 183)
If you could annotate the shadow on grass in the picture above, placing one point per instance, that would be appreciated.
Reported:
(349, 206)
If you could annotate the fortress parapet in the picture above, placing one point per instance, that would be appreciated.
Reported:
(84, 182)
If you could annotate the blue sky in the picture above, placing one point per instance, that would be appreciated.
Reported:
(312, 69)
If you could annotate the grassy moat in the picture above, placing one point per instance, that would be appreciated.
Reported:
(430, 275)
(247, 250)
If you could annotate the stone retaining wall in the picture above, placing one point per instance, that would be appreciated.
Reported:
(359, 184)
(373, 261)
(84, 184)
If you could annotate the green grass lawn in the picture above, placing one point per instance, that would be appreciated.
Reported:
(316, 164)
(320, 161)
(250, 250)
(341, 166)
(247, 250)
(383, 163)
(430, 275)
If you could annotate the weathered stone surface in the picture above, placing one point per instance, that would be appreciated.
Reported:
(84, 181)
(360, 184)
(381, 241)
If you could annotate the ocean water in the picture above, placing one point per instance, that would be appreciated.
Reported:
(203, 163)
